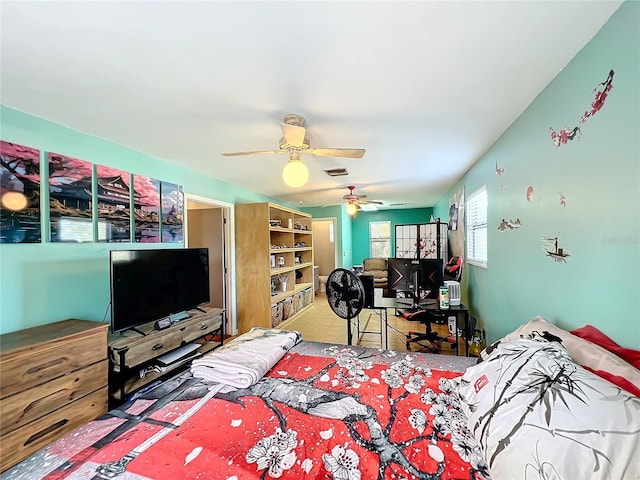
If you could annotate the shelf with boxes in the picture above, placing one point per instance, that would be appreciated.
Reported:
(275, 264)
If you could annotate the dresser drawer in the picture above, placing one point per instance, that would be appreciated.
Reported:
(147, 348)
(24, 407)
(28, 368)
(24, 441)
(201, 327)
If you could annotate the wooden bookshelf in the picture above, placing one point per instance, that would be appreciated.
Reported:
(272, 242)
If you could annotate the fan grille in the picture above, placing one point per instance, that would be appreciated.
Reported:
(345, 293)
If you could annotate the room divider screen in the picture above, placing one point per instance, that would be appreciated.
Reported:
(422, 240)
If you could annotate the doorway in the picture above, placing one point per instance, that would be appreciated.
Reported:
(209, 223)
(325, 253)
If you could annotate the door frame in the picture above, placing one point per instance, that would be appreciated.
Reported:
(334, 220)
(231, 327)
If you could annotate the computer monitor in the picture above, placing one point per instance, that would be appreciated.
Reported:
(416, 276)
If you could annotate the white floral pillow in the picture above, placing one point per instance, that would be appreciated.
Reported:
(537, 414)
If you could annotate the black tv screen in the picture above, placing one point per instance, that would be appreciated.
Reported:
(147, 285)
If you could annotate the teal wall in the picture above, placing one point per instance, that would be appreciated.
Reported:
(353, 232)
(45, 282)
(360, 243)
(599, 175)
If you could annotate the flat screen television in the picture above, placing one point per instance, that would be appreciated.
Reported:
(148, 285)
(421, 278)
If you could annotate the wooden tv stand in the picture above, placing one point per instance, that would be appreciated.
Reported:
(131, 353)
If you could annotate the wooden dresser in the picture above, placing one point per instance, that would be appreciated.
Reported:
(53, 379)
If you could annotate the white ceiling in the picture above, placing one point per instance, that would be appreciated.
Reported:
(425, 87)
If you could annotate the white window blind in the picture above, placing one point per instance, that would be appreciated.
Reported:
(380, 239)
(476, 215)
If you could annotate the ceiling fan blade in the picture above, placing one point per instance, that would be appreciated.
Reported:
(294, 135)
(371, 202)
(259, 152)
(337, 152)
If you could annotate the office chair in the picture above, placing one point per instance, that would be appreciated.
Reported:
(453, 269)
(427, 317)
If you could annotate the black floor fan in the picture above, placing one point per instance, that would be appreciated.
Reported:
(345, 294)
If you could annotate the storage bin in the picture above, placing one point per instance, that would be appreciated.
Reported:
(308, 296)
(298, 301)
(287, 308)
(276, 314)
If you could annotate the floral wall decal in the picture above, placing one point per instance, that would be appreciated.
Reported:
(564, 135)
(563, 199)
(499, 173)
(600, 95)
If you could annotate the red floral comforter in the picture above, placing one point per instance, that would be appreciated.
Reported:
(350, 414)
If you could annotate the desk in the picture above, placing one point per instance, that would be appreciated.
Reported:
(381, 304)
(379, 308)
(461, 313)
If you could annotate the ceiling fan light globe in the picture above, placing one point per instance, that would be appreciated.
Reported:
(295, 173)
(352, 208)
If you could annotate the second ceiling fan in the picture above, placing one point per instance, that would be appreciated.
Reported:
(356, 202)
(295, 142)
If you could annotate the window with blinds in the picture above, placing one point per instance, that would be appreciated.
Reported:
(476, 214)
(380, 239)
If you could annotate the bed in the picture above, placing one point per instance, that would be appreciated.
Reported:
(326, 411)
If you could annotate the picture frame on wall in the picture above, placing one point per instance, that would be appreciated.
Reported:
(146, 209)
(20, 207)
(113, 196)
(457, 234)
(172, 212)
(453, 216)
(70, 199)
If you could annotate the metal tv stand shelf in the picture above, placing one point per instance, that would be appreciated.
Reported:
(133, 358)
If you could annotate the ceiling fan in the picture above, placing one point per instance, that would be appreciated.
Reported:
(294, 142)
(356, 202)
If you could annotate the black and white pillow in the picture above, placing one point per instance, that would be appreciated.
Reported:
(582, 351)
(536, 414)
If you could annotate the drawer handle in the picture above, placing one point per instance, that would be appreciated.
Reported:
(44, 366)
(204, 326)
(37, 436)
(51, 398)
(157, 346)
